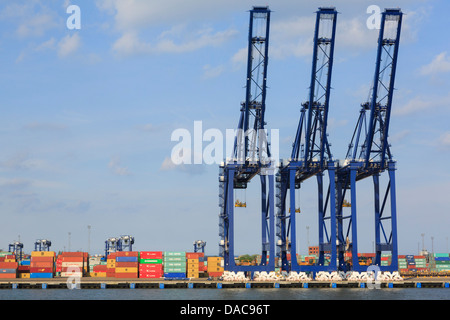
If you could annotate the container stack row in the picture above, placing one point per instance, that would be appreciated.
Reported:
(174, 264)
(8, 266)
(151, 264)
(441, 261)
(127, 264)
(42, 264)
(72, 264)
(214, 267)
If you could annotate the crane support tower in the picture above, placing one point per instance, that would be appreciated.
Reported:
(251, 154)
(369, 155)
(310, 157)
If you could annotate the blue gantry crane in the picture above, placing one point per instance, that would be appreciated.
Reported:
(311, 157)
(16, 248)
(251, 154)
(199, 246)
(369, 155)
(42, 245)
(122, 243)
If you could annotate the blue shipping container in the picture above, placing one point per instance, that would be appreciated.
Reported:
(442, 259)
(8, 270)
(41, 275)
(126, 259)
(25, 262)
(175, 275)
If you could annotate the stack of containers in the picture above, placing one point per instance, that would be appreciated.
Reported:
(42, 264)
(8, 266)
(442, 262)
(214, 267)
(411, 264)
(73, 264)
(151, 264)
(385, 259)
(23, 270)
(174, 264)
(402, 264)
(127, 264)
(195, 264)
(421, 263)
(111, 265)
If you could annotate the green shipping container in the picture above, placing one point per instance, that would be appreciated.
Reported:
(174, 259)
(174, 269)
(441, 255)
(150, 261)
(174, 254)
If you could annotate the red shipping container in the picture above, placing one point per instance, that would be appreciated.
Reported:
(74, 254)
(8, 265)
(41, 270)
(42, 259)
(121, 264)
(112, 255)
(2, 259)
(100, 268)
(23, 268)
(150, 267)
(194, 255)
(10, 256)
(126, 275)
(151, 275)
(72, 259)
(215, 274)
(127, 254)
(110, 274)
(41, 264)
(7, 275)
(151, 255)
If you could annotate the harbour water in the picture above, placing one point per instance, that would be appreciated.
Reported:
(264, 294)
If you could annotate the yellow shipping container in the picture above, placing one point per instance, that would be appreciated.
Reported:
(192, 274)
(24, 275)
(42, 253)
(97, 274)
(111, 263)
(125, 270)
(190, 261)
(214, 260)
(10, 260)
(215, 269)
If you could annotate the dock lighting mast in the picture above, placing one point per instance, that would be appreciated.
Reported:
(251, 154)
(369, 155)
(311, 157)
(199, 245)
(17, 248)
(42, 245)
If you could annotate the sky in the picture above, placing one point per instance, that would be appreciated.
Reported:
(87, 116)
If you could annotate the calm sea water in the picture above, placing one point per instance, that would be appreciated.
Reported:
(229, 294)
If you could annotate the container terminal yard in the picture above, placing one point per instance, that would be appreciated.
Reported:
(335, 261)
(120, 268)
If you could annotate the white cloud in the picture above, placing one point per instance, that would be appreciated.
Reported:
(130, 43)
(440, 64)
(421, 103)
(117, 168)
(68, 45)
(444, 139)
(212, 72)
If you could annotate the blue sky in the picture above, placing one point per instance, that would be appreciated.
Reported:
(87, 116)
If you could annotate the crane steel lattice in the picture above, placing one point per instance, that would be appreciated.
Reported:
(121, 243)
(251, 155)
(314, 159)
(373, 156)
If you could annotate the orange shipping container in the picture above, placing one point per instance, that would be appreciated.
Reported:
(42, 259)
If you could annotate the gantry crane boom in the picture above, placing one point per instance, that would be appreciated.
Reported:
(251, 155)
(373, 156)
(315, 158)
